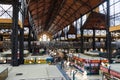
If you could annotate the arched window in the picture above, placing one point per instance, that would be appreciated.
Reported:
(44, 37)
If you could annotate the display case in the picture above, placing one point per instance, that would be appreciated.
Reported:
(87, 63)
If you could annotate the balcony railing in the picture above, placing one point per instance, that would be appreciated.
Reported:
(53, 44)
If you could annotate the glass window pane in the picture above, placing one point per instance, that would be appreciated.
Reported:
(84, 19)
(117, 7)
(5, 11)
(111, 2)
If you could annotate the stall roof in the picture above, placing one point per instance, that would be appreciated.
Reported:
(96, 21)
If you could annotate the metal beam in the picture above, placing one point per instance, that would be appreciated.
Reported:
(93, 43)
(21, 46)
(21, 37)
(81, 49)
(31, 23)
(15, 33)
(28, 2)
(29, 39)
(108, 33)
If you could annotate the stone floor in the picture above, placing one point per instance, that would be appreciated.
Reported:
(35, 72)
(44, 72)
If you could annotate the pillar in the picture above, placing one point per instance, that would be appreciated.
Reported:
(29, 40)
(93, 43)
(82, 43)
(77, 50)
(108, 33)
(21, 46)
(1, 39)
(14, 35)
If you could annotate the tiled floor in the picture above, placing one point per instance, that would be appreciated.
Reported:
(35, 72)
(43, 72)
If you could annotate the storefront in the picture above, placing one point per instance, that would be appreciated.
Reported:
(91, 66)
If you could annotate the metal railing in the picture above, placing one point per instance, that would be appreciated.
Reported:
(59, 45)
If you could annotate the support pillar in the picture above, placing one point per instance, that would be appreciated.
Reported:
(100, 43)
(108, 33)
(15, 33)
(1, 39)
(77, 50)
(21, 46)
(82, 41)
(93, 43)
(76, 31)
(29, 40)
(106, 42)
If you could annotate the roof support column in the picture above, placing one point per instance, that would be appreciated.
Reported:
(1, 39)
(93, 43)
(81, 41)
(15, 33)
(21, 36)
(29, 40)
(81, 37)
(76, 33)
(67, 33)
(76, 28)
(21, 46)
(30, 32)
(108, 33)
